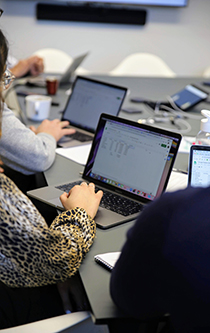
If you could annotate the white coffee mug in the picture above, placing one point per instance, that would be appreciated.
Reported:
(38, 107)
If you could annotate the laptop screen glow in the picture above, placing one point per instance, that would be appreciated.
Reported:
(91, 98)
(133, 159)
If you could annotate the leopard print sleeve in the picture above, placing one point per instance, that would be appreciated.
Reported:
(31, 253)
(77, 229)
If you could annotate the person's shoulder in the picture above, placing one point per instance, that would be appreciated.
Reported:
(7, 112)
(183, 194)
(170, 202)
(11, 61)
(6, 108)
(189, 193)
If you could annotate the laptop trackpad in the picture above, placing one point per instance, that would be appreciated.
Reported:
(48, 194)
(106, 218)
(71, 143)
(56, 203)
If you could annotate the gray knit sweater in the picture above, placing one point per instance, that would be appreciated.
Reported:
(21, 149)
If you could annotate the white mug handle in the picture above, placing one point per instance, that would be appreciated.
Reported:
(36, 108)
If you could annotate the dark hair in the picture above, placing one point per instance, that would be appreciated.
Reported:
(3, 60)
(3, 53)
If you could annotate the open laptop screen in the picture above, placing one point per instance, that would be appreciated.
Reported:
(132, 158)
(89, 99)
(199, 166)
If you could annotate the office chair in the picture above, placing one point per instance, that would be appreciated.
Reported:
(55, 61)
(142, 64)
(82, 71)
(76, 322)
(206, 72)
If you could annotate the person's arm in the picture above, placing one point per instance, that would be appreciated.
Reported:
(21, 149)
(11, 61)
(33, 65)
(36, 255)
(29, 150)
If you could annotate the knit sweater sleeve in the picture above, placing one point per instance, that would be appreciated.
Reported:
(23, 150)
(31, 253)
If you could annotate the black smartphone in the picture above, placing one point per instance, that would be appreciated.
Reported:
(189, 97)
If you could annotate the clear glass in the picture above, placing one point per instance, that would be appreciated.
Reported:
(203, 138)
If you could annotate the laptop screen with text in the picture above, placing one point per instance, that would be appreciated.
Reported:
(134, 159)
(89, 99)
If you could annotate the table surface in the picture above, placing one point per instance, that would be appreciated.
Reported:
(94, 277)
(155, 89)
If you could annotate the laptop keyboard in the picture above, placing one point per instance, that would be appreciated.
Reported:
(119, 204)
(111, 201)
(80, 137)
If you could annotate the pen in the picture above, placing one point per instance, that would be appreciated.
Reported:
(180, 171)
(25, 93)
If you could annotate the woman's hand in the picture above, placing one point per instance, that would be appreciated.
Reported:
(33, 64)
(55, 127)
(82, 196)
(1, 169)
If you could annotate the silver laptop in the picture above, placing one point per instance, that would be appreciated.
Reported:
(130, 162)
(64, 78)
(89, 98)
(199, 166)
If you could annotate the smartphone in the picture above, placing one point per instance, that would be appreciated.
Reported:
(198, 169)
(189, 97)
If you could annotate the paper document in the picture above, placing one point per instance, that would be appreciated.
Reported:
(107, 260)
(177, 181)
(186, 143)
(77, 154)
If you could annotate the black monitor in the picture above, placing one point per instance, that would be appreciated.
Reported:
(166, 3)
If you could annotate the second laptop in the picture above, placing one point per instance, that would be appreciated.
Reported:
(88, 100)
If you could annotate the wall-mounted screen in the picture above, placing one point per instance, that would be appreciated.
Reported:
(168, 3)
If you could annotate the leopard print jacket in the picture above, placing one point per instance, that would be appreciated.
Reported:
(33, 254)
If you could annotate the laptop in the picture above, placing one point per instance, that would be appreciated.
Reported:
(89, 98)
(130, 162)
(64, 78)
(199, 166)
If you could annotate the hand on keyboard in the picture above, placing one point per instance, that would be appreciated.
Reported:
(82, 196)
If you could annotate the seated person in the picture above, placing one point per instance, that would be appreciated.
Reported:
(29, 150)
(33, 66)
(22, 149)
(164, 264)
(34, 256)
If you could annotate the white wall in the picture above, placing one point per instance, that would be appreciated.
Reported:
(180, 36)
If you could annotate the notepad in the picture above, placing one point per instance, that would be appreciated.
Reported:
(107, 260)
(78, 154)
